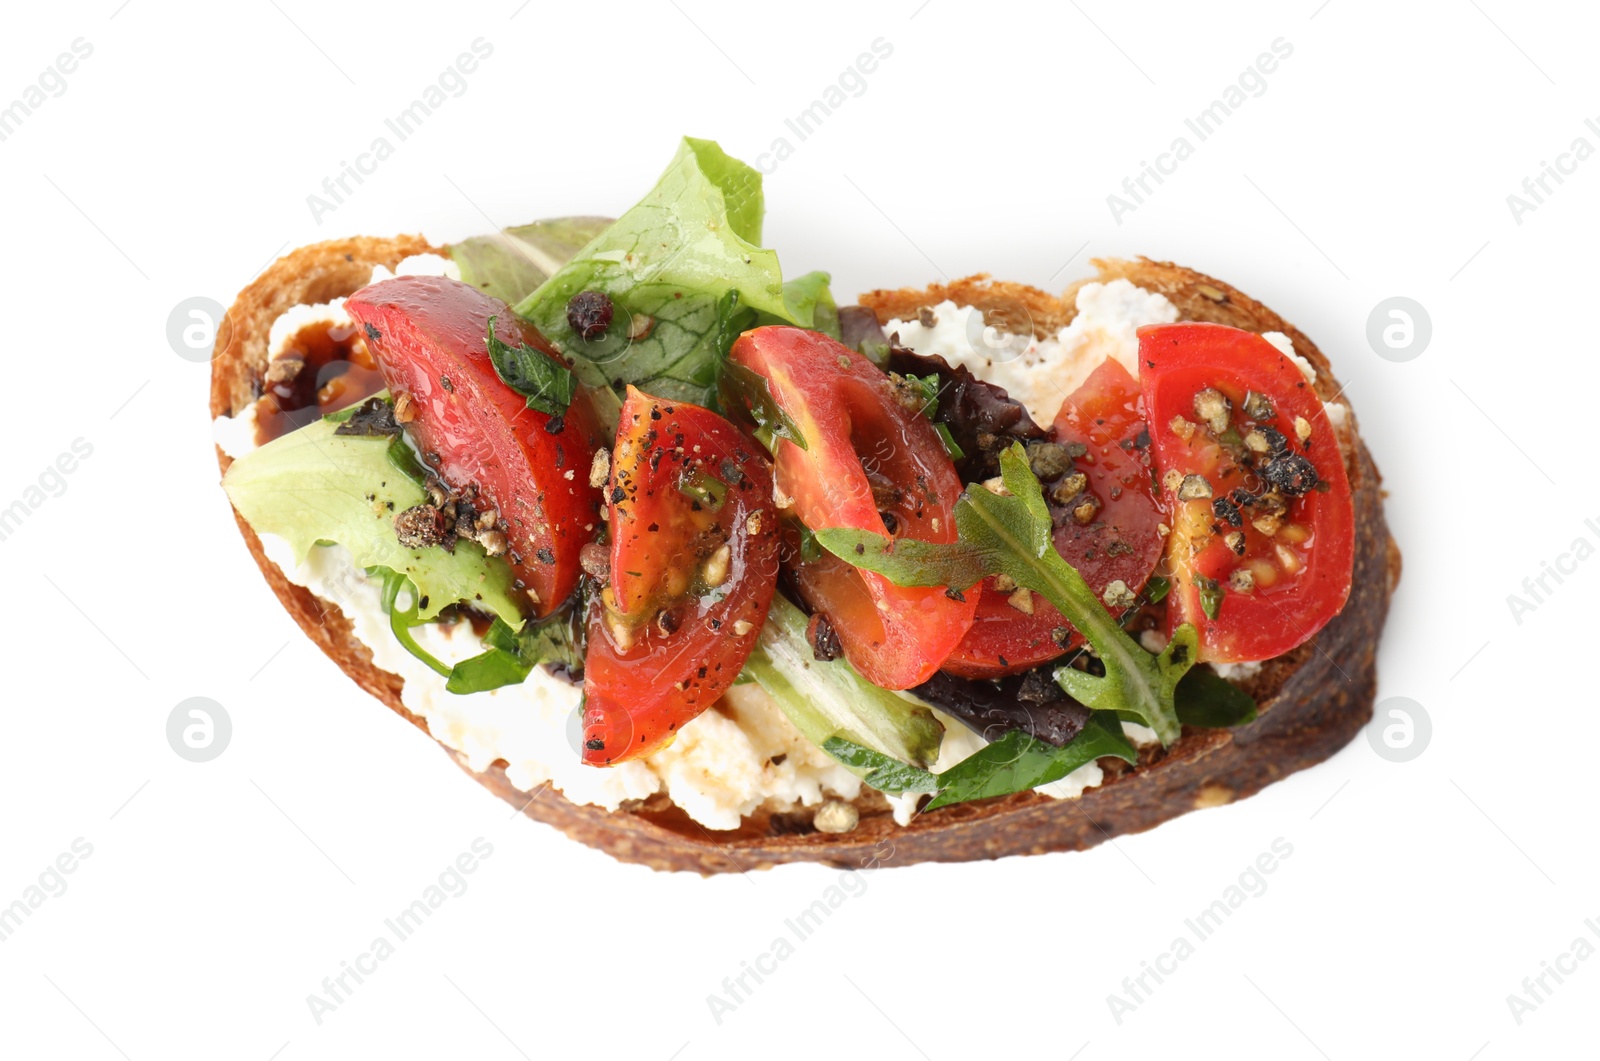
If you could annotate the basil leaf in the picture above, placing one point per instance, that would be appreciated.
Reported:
(511, 654)
(1018, 762)
(1205, 698)
(670, 259)
(511, 263)
(545, 382)
(1015, 763)
(878, 770)
(1010, 533)
(489, 670)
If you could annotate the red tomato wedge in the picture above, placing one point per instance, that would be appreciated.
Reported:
(1263, 532)
(693, 566)
(428, 334)
(872, 462)
(1108, 526)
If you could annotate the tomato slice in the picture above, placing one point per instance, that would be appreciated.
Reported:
(693, 566)
(428, 334)
(1263, 530)
(1108, 526)
(872, 462)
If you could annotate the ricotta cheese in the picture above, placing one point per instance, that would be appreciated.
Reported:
(1237, 672)
(1337, 412)
(1039, 373)
(235, 435)
(718, 770)
(1286, 345)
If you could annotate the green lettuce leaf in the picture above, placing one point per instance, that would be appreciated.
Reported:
(810, 302)
(826, 700)
(312, 487)
(511, 263)
(1010, 533)
(672, 258)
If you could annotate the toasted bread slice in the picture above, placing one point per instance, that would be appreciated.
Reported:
(1312, 700)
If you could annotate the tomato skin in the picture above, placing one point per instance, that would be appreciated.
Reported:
(1122, 542)
(664, 642)
(867, 453)
(1300, 573)
(428, 334)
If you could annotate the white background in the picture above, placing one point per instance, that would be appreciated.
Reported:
(218, 896)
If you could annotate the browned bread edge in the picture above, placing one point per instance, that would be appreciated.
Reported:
(1313, 701)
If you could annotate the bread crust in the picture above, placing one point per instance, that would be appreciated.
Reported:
(1312, 701)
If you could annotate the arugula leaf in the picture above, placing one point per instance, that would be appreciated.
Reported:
(671, 259)
(312, 486)
(512, 654)
(1010, 533)
(826, 700)
(401, 620)
(1018, 762)
(511, 263)
(545, 382)
(1205, 698)
(910, 561)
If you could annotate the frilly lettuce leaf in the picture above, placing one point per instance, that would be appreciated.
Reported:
(511, 263)
(674, 258)
(810, 302)
(312, 486)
